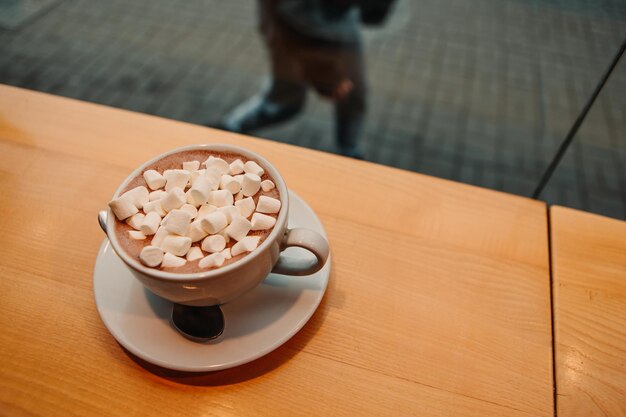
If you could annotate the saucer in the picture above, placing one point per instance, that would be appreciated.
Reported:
(256, 323)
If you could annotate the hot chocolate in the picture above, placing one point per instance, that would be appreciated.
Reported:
(196, 210)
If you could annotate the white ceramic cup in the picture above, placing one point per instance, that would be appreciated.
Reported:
(220, 285)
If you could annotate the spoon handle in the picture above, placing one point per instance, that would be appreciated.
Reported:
(199, 324)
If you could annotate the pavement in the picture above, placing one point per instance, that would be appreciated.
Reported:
(481, 92)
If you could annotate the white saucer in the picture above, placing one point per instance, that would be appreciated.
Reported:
(256, 323)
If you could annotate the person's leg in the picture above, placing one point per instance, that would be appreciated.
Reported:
(279, 101)
(350, 109)
(349, 122)
(284, 94)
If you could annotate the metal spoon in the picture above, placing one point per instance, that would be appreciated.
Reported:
(199, 324)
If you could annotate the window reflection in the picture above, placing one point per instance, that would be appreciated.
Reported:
(478, 92)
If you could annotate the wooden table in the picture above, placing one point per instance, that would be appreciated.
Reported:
(589, 285)
(438, 301)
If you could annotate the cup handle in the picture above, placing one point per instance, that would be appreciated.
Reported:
(309, 240)
(102, 221)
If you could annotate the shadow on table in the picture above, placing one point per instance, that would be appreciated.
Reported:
(252, 369)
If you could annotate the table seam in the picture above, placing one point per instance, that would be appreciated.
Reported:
(552, 310)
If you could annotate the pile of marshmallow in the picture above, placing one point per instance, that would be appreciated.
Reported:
(188, 205)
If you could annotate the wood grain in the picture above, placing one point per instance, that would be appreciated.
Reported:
(589, 282)
(438, 302)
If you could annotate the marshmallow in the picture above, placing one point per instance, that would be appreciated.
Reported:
(194, 253)
(215, 175)
(172, 261)
(262, 221)
(174, 199)
(191, 165)
(123, 207)
(177, 245)
(214, 243)
(176, 178)
(236, 167)
(151, 256)
(158, 237)
(138, 195)
(217, 163)
(238, 228)
(239, 178)
(193, 212)
(245, 206)
(229, 183)
(251, 184)
(226, 253)
(190, 200)
(157, 195)
(177, 222)
(154, 206)
(230, 212)
(268, 205)
(200, 190)
(252, 167)
(205, 209)
(267, 185)
(238, 196)
(150, 223)
(224, 235)
(196, 232)
(196, 174)
(214, 222)
(154, 179)
(247, 244)
(221, 198)
(136, 234)
(213, 260)
(135, 220)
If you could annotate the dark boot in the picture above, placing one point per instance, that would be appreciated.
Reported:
(281, 101)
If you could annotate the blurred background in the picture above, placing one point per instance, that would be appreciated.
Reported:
(479, 91)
